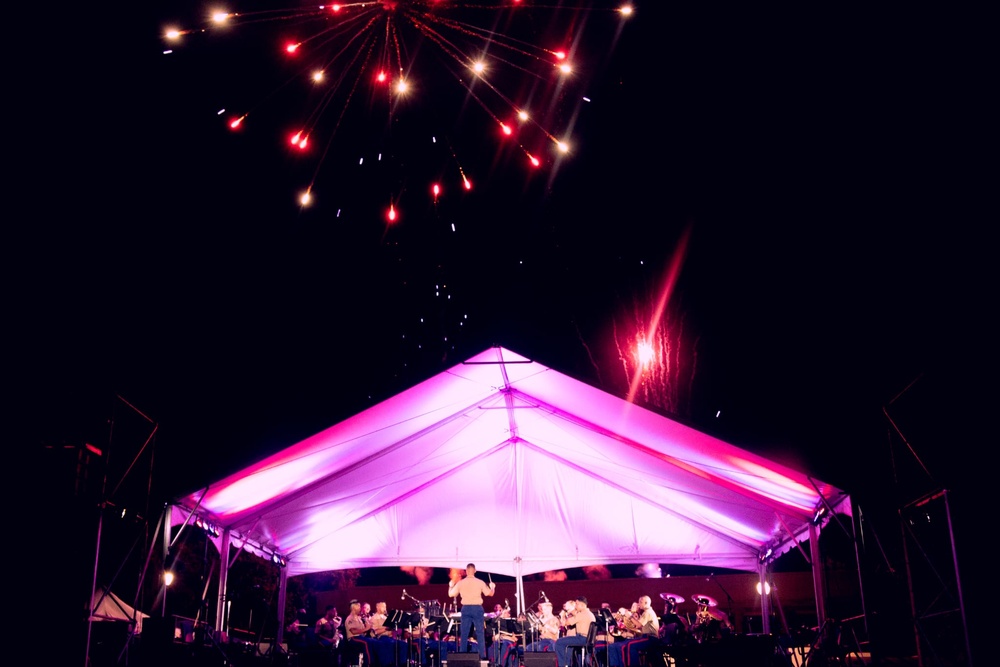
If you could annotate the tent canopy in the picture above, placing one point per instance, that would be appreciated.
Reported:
(508, 464)
(106, 606)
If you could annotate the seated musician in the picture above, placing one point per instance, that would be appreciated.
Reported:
(422, 638)
(577, 623)
(390, 649)
(711, 623)
(547, 628)
(503, 650)
(295, 632)
(358, 638)
(641, 626)
(327, 629)
(673, 626)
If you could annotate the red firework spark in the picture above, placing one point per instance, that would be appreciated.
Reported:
(352, 71)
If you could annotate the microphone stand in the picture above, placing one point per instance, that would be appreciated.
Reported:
(729, 600)
(420, 631)
(535, 631)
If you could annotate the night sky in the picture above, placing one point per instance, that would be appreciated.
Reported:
(815, 178)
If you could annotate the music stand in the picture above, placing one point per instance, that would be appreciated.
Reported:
(511, 625)
(393, 620)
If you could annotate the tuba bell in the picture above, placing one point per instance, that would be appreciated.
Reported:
(628, 620)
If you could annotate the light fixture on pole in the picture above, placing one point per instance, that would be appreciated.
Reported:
(818, 515)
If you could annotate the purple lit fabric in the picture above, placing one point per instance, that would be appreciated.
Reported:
(574, 476)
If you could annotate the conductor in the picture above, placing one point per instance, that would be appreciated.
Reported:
(471, 590)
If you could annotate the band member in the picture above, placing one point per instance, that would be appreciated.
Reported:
(568, 609)
(673, 626)
(471, 590)
(711, 623)
(358, 641)
(641, 626)
(577, 624)
(377, 619)
(390, 650)
(295, 632)
(328, 629)
(505, 649)
(606, 629)
(424, 644)
(547, 628)
(366, 616)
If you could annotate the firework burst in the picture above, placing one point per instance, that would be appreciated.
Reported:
(397, 91)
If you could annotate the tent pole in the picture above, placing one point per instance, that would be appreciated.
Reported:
(282, 598)
(765, 598)
(520, 587)
(861, 579)
(958, 580)
(166, 556)
(93, 584)
(817, 575)
(221, 617)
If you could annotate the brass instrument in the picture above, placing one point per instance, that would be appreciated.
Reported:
(510, 636)
(628, 621)
(369, 631)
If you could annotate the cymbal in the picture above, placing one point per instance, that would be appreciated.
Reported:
(670, 596)
(705, 600)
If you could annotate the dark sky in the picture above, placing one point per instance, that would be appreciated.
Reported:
(826, 165)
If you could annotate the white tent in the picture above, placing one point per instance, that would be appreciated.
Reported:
(106, 606)
(520, 469)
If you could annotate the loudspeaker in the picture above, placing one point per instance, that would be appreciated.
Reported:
(462, 659)
(539, 659)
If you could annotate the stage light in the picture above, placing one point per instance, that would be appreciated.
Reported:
(767, 588)
(210, 529)
(168, 577)
(818, 516)
(278, 560)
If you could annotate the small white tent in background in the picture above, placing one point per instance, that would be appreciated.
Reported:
(570, 475)
(106, 606)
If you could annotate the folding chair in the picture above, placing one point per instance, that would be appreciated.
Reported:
(584, 655)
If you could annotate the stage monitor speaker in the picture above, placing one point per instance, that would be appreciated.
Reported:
(462, 660)
(540, 659)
